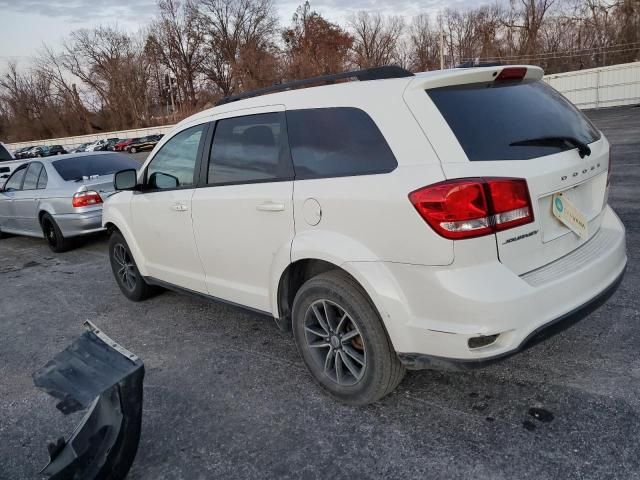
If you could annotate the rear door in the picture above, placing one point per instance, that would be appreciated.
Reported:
(243, 212)
(521, 128)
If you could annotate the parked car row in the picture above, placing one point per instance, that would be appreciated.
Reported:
(130, 145)
(402, 222)
(39, 151)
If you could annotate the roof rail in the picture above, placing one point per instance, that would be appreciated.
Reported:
(377, 73)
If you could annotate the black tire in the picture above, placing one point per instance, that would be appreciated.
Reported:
(131, 283)
(53, 235)
(378, 369)
(133, 150)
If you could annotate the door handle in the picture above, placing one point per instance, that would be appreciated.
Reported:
(179, 207)
(271, 207)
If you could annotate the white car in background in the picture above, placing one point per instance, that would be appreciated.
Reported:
(430, 221)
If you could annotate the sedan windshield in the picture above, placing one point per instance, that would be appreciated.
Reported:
(78, 168)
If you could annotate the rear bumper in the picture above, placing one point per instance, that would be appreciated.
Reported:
(432, 312)
(418, 361)
(75, 224)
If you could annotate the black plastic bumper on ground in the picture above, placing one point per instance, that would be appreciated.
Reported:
(98, 373)
(418, 361)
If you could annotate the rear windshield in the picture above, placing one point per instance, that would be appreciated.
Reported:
(492, 121)
(75, 168)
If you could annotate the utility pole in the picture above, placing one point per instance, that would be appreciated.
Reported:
(441, 48)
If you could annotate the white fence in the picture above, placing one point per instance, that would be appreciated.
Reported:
(600, 87)
(592, 88)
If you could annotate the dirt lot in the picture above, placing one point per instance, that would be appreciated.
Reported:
(226, 395)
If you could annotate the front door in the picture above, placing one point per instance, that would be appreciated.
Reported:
(243, 214)
(162, 211)
(26, 201)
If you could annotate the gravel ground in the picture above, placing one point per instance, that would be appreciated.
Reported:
(226, 395)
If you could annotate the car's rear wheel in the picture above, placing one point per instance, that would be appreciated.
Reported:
(52, 233)
(133, 150)
(125, 271)
(342, 341)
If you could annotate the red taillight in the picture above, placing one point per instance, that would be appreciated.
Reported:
(86, 199)
(512, 73)
(472, 207)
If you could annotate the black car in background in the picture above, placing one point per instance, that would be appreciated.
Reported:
(44, 151)
(55, 150)
(144, 143)
(22, 152)
(110, 144)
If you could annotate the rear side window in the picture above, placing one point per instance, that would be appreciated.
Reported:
(42, 180)
(31, 177)
(248, 150)
(337, 142)
(511, 121)
(78, 167)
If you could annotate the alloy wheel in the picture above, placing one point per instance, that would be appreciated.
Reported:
(335, 342)
(50, 232)
(126, 269)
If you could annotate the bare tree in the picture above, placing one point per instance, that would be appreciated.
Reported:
(375, 38)
(314, 46)
(240, 43)
(178, 40)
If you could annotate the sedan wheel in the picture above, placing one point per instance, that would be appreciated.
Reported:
(53, 235)
(133, 150)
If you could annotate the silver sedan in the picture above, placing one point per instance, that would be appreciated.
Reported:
(59, 198)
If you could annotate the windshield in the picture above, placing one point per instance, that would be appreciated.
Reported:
(4, 154)
(75, 168)
(498, 122)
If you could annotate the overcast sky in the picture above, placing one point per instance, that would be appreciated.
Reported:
(26, 24)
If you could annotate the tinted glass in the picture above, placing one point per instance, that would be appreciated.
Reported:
(42, 180)
(247, 149)
(15, 181)
(177, 158)
(4, 154)
(31, 177)
(75, 168)
(488, 118)
(335, 142)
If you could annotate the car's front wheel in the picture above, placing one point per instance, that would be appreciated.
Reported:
(125, 270)
(52, 233)
(133, 150)
(342, 341)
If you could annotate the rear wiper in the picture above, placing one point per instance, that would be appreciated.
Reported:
(583, 148)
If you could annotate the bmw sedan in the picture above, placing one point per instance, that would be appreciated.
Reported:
(59, 199)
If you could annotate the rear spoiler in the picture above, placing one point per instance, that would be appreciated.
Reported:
(461, 76)
(95, 372)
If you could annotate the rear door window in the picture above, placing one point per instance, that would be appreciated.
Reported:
(249, 149)
(31, 177)
(506, 122)
(337, 142)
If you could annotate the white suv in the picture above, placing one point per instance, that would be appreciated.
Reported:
(427, 221)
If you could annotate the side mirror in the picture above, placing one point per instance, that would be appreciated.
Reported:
(163, 181)
(126, 179)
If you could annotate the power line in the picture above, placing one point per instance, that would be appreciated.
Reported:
(564, 53)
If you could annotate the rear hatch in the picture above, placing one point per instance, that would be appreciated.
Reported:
(486, 123)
